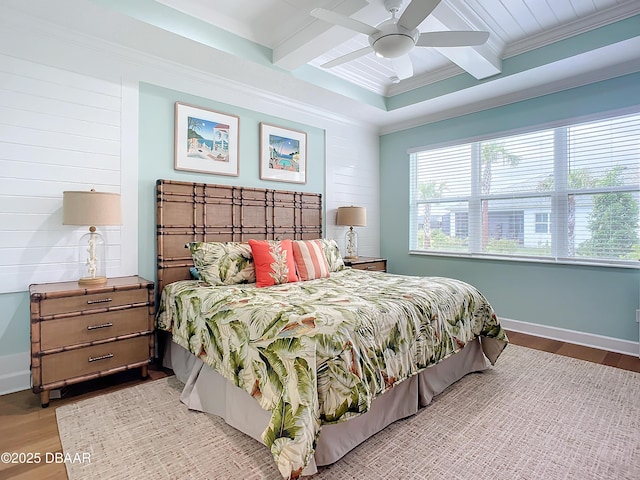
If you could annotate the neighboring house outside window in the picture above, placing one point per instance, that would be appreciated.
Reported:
(567, 193)
(542, 223)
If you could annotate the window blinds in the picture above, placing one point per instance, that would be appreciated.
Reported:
(567, 193)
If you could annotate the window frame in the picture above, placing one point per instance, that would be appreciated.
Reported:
(558, 218)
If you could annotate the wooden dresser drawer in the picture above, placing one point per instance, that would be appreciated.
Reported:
(82, 303)
(63, 332)
(379, 266)
(372, 264)
(83, 332)
(97, 358)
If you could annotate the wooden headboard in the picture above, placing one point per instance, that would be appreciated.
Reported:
(199, 212)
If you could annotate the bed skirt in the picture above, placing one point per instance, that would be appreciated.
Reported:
(207, 391)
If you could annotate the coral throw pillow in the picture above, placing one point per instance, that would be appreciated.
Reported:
(310, 259)
(273, 261)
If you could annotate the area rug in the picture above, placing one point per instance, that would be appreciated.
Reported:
(535, 415)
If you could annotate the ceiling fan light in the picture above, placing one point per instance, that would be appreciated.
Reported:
(392, 46)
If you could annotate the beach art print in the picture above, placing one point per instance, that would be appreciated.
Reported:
(283, 154)
(206, 141)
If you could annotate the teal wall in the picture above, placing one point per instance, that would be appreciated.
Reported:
(156, 158)
(15, 324)
(596, 300)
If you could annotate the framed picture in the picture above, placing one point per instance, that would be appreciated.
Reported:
(283, 154)
(206, 141)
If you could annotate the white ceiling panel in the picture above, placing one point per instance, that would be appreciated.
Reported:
(286, 27)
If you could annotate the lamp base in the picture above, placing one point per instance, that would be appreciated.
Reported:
(351, 244)
(92, 281)
(91, 259)
(350, 257)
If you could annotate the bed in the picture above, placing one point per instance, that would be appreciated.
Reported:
(309, 368)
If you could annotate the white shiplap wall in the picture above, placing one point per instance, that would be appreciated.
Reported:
(352, 178)
(59, 131)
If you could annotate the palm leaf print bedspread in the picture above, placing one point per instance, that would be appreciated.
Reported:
(320, 351)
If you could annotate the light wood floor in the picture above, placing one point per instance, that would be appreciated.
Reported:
(26, 427)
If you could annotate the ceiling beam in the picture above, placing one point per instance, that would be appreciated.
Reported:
(481, 61)
(317, 38)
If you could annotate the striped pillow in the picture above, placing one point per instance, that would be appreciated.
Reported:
(310, 259)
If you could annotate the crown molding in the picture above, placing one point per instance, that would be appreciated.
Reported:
(418, 81)
(583, 25)
(431, 111)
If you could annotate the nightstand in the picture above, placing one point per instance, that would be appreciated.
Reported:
(81, 333)
(373, 264)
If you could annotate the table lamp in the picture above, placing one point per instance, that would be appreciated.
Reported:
(352, 217)
(91, 208)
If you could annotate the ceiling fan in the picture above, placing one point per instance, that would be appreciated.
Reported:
(395, 37)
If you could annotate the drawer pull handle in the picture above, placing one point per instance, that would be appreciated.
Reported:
(102, 300)
(102, 325)
(371, 267)
(101, 357)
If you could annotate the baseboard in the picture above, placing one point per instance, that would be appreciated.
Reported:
(15, 374)
(571, 336)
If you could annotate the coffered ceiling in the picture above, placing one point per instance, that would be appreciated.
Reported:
(278, 47)
(297, 38)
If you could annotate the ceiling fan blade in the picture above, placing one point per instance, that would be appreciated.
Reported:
(343, 21)
(402, 66)
(348, 57)
(416, 12)
(452, 39)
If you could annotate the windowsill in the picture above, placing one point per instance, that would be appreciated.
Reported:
(545, 260)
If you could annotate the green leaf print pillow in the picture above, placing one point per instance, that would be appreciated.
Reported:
(223, 263)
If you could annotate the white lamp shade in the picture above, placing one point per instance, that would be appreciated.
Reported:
(91, 208)
(352, 216)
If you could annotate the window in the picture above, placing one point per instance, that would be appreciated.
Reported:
(542, 223)
(569, 193)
